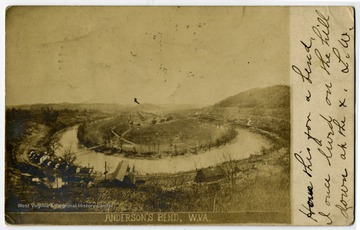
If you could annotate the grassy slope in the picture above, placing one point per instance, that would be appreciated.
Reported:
(189, 131)
(186, 132)
(269, 97)
(268, 108)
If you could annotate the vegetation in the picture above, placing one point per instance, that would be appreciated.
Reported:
(34, 128)
(168, 136)
(20, 123)
(259, 183)
(186, 131)
(68, 155)
(266, 109)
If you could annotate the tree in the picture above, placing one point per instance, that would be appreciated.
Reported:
(69, 155)
(53, 146)
(229, 167)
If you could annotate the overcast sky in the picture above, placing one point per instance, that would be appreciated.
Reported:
(160, 55)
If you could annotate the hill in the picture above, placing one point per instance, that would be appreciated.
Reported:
(265, 109)
(109, 108)
(271, 97)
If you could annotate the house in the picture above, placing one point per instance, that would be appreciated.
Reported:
(56, 182)
(209, 174)
(71, 169)
(120, 172)
(53, 165)
(35, 179)
(84, 171)
(45, 163)
(32, 153)
(123, 174)
(63, 167)
(26, 177)
(35, 157)
(76, 176)
(75, 181)
(43, 158)
(140, 182)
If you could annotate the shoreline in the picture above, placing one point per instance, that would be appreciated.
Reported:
(244, 145)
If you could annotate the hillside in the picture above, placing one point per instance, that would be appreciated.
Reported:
(271, 97)
(267, 109)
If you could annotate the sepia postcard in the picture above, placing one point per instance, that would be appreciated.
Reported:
(179, 115)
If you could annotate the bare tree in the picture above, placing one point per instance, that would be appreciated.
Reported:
(69, 155)
(229, 167)
(53, 146)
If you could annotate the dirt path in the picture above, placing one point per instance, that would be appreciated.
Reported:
(124, 133)
(121, 137)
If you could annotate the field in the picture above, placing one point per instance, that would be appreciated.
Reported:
(147, 134)
(96, 133)
(188, 131)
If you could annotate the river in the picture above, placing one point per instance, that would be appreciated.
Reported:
(241, 147)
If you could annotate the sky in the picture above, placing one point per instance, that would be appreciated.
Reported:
(159, 55)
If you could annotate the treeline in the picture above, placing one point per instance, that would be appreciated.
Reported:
(275, 122)
(280, 127)
(228, 136)
(20, 121)
(267, 109)
(83, 136)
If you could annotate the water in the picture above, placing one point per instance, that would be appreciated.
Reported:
(241, 147)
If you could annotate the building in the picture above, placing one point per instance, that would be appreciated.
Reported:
(209, 175)
(123, 174)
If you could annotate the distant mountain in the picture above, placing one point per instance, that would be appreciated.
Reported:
(71, 106)
(270, 97)
(146, 107)
(159, 109)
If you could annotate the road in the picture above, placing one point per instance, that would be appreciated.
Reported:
(121, 137)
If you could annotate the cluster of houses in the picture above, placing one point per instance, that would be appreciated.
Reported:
(60, 173)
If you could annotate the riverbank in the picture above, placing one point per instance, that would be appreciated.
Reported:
(245, 144)
(260, 184)
(144, 139)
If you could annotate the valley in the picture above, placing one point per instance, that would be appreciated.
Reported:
(230, 156)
